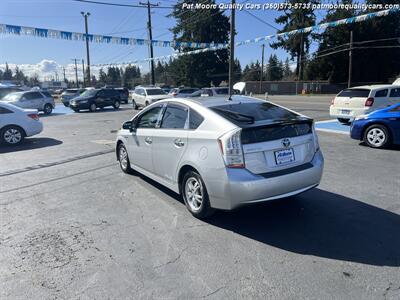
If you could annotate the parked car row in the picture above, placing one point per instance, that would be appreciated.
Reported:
(373, 111)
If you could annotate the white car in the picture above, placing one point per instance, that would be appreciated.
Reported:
(353, 102)
(143, 96)
(214, 91)
(40, 100)
(17, 123)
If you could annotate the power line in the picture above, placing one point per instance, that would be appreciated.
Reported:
(261, 20)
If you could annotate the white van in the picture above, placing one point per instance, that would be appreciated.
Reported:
(356, 101)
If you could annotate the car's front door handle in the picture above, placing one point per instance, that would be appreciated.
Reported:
(148, 140)
(179, 143)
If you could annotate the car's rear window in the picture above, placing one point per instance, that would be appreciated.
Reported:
(362, 93)
(155, 92)
(240, 113)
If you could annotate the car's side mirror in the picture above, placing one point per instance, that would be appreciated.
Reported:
(127, 125)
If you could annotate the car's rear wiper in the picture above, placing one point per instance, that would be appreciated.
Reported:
(236, 116)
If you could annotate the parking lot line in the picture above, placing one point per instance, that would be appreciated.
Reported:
(332, 126)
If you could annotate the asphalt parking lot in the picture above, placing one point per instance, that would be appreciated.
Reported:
(73, 226)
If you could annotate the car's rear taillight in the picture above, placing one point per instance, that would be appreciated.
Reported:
(34, 116)
(369, 102)
(231, 149)
(315, 139)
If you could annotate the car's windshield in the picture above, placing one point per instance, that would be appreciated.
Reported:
(252, 112)
(89, 93)
(12, 97)
(363, 93)
(154, 92)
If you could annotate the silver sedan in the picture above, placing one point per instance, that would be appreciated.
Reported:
(220, 153)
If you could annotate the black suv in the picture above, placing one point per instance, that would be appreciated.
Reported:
(124, 94)
(92, 99)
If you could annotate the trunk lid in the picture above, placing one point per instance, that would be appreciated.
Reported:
(352, 98)
(278, 146)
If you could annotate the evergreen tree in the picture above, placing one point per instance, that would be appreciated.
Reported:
(210, 25)
(274, 68)
(292, 19)
(252, 72)
(7, 75)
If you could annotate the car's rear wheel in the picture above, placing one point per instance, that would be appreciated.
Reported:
(135, 106)
(195, 195)
(377, 136)
(147, 103)
(123, 159)
(116, 104)
(344, 121)
(12, 135)
(48, 108)
(93, 107)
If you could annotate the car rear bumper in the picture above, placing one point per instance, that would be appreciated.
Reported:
(243, 187)
(337, 112)
(35, 127)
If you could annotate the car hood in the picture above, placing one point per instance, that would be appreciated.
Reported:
(80, 98)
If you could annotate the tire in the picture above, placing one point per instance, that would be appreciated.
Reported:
(12, 135)
(126, 101)
(147, 103)
(116, 104)
(344, 121)
(135, 106)
(66, 104)
(123, 159)
(47, 109)
(199, 204)
(92, 107)
(377, 136)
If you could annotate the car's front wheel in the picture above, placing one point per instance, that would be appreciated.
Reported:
(93, 107)
(12, 135)
(123, 159)
(116, 104)
(377, 136)
(48, 108)
(195, 195)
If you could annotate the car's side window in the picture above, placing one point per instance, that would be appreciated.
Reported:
(175, 117)
(381, 93)
(195, 119)
(395, 92)
(4, 110)
(149, 118)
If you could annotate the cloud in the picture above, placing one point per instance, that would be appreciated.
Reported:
(49, 69)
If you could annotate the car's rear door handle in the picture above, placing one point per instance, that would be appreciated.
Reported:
(148, 140)
(179, 143)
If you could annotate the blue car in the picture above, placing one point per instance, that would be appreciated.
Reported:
(378, 129)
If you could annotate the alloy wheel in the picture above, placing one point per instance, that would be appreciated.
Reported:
(123, 158)
(376, 137)
(12, 136)
(194, 193)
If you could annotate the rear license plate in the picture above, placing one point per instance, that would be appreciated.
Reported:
(345, 112)
(285, 156)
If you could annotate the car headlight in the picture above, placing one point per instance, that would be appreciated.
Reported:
(361, 117)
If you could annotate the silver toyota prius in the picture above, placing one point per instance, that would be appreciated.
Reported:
(220, 153)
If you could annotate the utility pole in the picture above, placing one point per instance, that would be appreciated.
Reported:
(262, 66)
(76, 72)
(148, 4)
(86, 15)
(83, 70)
(350, 59)
(300, 75)
(64, 74)
(232, 49)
